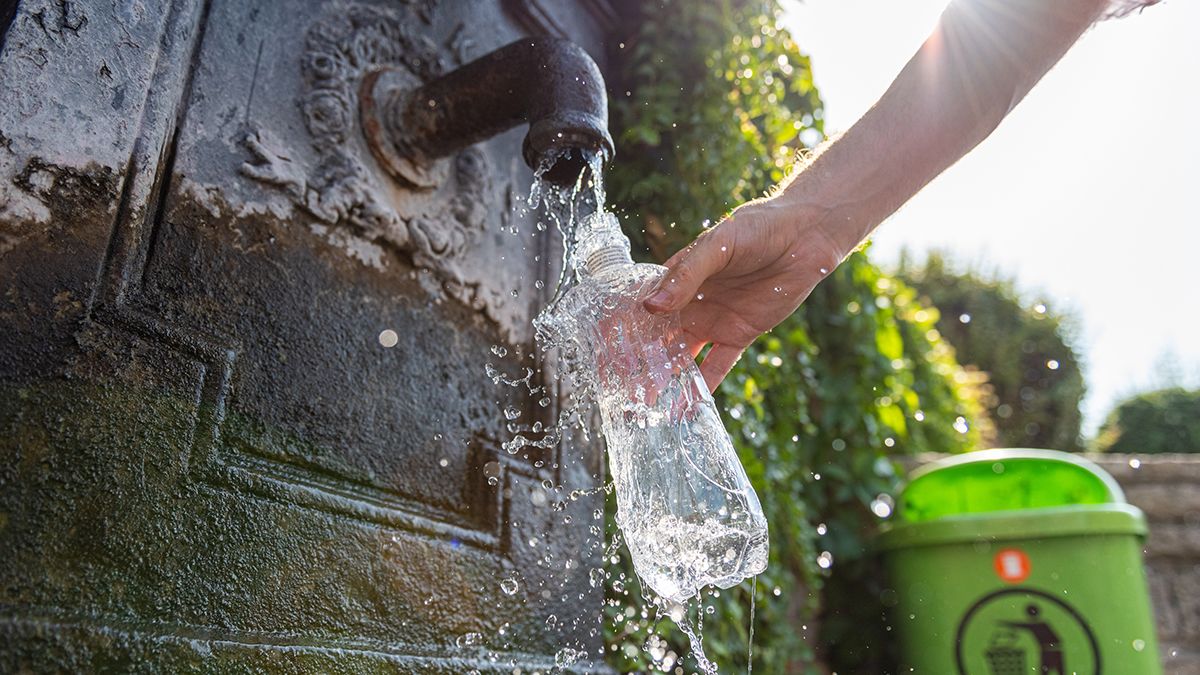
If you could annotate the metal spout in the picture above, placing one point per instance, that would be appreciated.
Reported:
(550, 83)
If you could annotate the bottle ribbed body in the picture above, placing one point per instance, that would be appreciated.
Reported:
(684, 504)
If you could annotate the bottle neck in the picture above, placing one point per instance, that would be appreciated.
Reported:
(600, 246)
(609, 257)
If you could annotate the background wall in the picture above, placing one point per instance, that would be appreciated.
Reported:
(1167, 489)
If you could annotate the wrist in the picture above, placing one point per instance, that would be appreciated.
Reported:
(838, 225)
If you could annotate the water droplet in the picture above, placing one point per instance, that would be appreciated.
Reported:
(512, 413)
(548, 484)
(960, 425)
(882, 506)
(825, 560)
(778, 289)
(596, 577)
(539, 284)
(492, 480)
(1139, 645)
(677, 612)
(824, 271)
(545, 401)
(389, 338)
(1135, 463)
(514, 293)
(699, 296)
(1052, 364)
(822, 529)
(469, 640)
(567, 656)
(777, 591)
(499, 351)
(443, 462)
(510, 586)
(964, 318)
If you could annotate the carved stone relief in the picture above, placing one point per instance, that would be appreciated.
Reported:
(345, 188)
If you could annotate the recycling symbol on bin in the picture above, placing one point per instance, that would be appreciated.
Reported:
(1018, 631)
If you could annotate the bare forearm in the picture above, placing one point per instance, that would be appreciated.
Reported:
(750, 272)
(982, 59)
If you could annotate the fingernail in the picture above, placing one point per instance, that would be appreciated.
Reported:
(661, 299)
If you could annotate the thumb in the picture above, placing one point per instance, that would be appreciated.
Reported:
(686, 272)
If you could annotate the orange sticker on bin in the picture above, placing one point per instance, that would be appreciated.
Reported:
(1012, 565)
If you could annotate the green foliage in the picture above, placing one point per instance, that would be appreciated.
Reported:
(817, 408)
(1034, 375)
(715, 100)
(1167, 420)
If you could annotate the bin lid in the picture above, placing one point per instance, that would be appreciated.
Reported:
(1008, 495)
(1017, 526)
(1015, 479)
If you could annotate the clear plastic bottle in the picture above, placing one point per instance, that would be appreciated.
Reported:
(684, 504)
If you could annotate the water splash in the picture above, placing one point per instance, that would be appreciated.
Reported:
(672, 568)
(564, 209)
(688, 514)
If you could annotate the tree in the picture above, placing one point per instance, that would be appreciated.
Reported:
(1033, 373)
(1167, 420)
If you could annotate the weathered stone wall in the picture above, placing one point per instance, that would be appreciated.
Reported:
(1167, 489)
(244, 420)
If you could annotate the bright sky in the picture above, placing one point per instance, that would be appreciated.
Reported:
(1088, 194)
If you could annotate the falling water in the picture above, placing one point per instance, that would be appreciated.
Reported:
(564, 208)
(750, 642)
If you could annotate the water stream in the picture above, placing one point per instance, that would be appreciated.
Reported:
(750, 642)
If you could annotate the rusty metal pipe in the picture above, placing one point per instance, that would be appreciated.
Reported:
(550, 83)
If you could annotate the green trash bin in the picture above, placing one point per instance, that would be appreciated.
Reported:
(1008, 562)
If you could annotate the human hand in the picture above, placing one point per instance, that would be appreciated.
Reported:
(743, 277)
